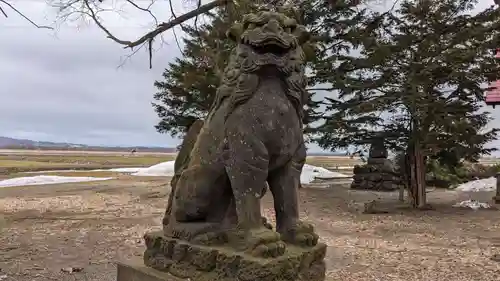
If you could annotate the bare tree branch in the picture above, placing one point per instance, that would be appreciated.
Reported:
(3, 12)
(173, 29)
(129, 56)
(177, 41)
(196, 19)
(147, 10)
(91, 10)
(162, 27)
(21, 14)
(321, 89)
(172, 10)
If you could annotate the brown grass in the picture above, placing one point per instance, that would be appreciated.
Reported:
(28, 160)
(41, 162)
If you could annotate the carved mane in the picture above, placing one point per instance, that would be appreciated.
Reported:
(239, 83)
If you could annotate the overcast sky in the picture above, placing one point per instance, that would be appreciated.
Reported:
(65, 85)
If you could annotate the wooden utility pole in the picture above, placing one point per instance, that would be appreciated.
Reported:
(496, 198)
(492, 99)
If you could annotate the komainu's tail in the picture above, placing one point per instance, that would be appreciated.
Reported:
(181, 162)
(182, 159)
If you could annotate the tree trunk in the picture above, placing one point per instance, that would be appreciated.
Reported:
(420, 176)
(402, 193)
(412, 181)
(417, 177)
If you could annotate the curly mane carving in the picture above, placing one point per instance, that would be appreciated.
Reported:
(240, 79)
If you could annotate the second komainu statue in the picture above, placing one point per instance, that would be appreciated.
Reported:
(251, 141)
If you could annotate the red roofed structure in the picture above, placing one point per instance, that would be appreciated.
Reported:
(493, 95)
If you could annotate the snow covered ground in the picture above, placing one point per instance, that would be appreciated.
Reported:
(40, 180)
(165, 169)
(310, 173)
(473, 204)
(482, 185)
(488, 184)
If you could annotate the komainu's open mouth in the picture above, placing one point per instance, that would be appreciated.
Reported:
(270, 44)
(270, 48)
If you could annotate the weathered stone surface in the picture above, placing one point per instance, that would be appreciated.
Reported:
(212, 263)
(371, 207)
(377, 149)
(381, 164)
(181, 161)
(136, 271)
(251, 140)
(378, 174)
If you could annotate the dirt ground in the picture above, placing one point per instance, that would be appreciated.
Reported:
(46, 229)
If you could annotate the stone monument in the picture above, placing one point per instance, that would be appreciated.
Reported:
(378, 174)
(251, 141)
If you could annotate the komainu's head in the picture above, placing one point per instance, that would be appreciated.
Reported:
(268, 44)
(269, 39)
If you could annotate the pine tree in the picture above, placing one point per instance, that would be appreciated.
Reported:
(419, 81)
(189, 84)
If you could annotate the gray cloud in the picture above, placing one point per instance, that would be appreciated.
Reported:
(66, 87)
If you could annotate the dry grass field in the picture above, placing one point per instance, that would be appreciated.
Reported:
(16, 161)
(46, 229)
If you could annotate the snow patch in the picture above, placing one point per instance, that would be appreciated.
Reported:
(41, 180)
(473, 204)
(310, 173)
(165, 169)
(488, 184)
(121, 170)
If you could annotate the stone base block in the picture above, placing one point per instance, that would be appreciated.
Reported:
(219, 263)
(496, 199)
(374, 186)
(137, 271)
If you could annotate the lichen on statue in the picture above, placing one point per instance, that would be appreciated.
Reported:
(251, 140)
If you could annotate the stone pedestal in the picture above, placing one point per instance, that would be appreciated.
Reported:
(377, 175)
(211, 229)
(137, 271)
(167, 257)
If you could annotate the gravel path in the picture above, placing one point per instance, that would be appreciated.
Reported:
(47, 229)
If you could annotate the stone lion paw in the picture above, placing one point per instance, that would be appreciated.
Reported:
(306, 239)
(264, 242)
(301, 234)
(208, 238)
(266, 224)
(270, 250)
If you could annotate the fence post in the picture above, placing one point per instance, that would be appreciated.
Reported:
(496, 199)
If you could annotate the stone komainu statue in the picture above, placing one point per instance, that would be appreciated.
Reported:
(251, 139)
